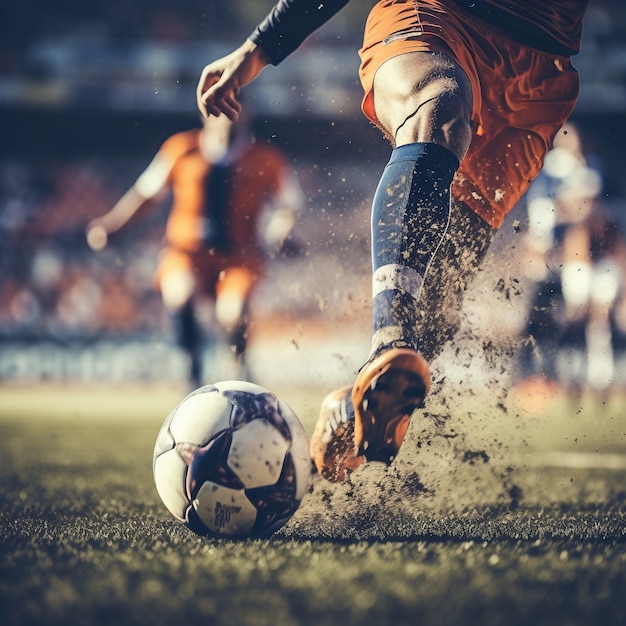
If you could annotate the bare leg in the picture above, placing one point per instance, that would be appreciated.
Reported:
(424, 97)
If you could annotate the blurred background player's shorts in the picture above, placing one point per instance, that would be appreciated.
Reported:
(212, 272)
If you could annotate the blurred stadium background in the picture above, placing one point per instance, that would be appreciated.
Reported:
(88, 92)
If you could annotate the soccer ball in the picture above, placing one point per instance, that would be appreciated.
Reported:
(232, 460)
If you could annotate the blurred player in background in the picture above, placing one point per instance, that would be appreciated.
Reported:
(224, 185)
(470, 96)
(575, 262)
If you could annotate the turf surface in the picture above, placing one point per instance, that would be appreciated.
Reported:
(84, 538)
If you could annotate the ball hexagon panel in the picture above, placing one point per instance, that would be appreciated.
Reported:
(201, 415)
(257, 453)
(169, 477)
(224, 511)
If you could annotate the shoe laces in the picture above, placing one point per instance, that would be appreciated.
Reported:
(341, 414)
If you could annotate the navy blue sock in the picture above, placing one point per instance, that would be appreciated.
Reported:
(410, 215)
(188, 338)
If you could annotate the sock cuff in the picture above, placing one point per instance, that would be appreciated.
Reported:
(437, 157)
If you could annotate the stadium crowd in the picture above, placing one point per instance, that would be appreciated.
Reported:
(52, 287)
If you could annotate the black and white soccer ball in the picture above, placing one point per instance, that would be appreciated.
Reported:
(232, 460)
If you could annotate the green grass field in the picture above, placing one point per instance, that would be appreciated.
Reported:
(524, 524)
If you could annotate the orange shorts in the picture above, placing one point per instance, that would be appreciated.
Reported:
(211, 270)
(521, 96)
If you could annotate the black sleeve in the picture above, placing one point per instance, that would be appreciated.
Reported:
(290, 22)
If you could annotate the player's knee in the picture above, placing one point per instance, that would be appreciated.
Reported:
(425, 98)
(177, 288)
(439, 113)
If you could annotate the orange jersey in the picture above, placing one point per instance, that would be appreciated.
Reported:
(521, 95)
(255, 175)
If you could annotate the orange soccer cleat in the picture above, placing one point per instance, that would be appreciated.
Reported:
(368, 421)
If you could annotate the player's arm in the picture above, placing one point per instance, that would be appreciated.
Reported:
(285, 27)
(137, 202)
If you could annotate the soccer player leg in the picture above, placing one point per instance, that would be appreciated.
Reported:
(423, 100)
(177, 284)
(233, 292)
(423, 103)
(189, 339)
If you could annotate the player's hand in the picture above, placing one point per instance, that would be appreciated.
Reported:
(97, 235)
(221, 80)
